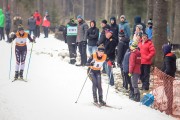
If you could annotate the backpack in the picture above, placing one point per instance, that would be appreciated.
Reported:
(148, 100)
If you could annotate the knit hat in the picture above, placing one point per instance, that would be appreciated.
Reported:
(139, 26)
(108, 30)
(20, 27)
(104, 21)
(166, 49)
(134, 45)
(80, 16)
(123, 16)
(101, 48)
(150, 22)
(121, 33)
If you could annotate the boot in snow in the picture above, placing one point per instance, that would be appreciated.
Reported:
(137, 97)
(131, 95)
(101, 101)
(95, 99)
(16, 75)
(21, 74)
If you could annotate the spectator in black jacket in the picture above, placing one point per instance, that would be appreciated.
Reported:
(110, 45)
(92, 36)
(102, 38)
(8, 23)
(114, 27)
(169, 64)
(123, 45)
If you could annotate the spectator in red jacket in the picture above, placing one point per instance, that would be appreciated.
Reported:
(135, 69)
(38, 18)
(46, 24)
(147, 51)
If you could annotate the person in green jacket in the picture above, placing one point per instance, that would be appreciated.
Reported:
(2, 19)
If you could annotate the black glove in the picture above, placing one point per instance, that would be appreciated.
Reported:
(90, 64)
(10, 40)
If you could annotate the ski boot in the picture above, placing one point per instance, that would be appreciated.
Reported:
(95, 100)
(101, 102)
(16, 75)
(21, 74)
(131, 95)
(137, 97)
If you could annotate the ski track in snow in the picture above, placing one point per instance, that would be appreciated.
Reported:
(53, 87)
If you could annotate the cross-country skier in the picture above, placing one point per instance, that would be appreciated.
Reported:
(95, 62)
(20, 50)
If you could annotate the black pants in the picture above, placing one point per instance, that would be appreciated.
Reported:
(96, 81)
(72, 52)
(82, 49)
(37, 31)
(145, 75)
(46, 32)
(127, 81)
(20, 52)
(34, 32)
(7, 33)
(2, 33)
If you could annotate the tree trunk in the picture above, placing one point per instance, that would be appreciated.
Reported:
(107, 9)
(176, 39)
(171, 19)
(119, 9)
(149, 9)
(159, 29)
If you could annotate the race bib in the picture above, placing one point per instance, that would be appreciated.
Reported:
(71, 30)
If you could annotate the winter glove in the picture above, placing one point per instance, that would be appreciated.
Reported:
(109, 63)
(129, 74)
(90, 64)
(11, 35)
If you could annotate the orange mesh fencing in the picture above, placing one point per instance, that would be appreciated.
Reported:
(166, 91)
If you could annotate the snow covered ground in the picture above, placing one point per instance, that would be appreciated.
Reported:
(53, 87)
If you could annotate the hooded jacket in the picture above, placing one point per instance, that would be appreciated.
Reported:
(2, 18)
(123, 45)
(92, 35)
(115, 29)
(137, 21)
(8, 21)
(38, 18)
(169, 63)
(125, 26)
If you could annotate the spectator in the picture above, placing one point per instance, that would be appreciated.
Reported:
(138, 30)
(2, 19)
(114, 28)
(122, 47)
(124, 25)
(149, 29)
(137, 21)
(8, 23)
(82, 39)
(92, 36)
(46, 24)
(147, 51)
(38, 18)
(32, 25)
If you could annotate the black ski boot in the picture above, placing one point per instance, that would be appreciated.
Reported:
(21, 74)
(101, 101)
(16, 75)
(95, 100)
(137, 97)
(131, 95)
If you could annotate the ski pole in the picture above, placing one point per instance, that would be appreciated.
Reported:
(108, 83)
(10, 61)
(29, 61)
(83, 86)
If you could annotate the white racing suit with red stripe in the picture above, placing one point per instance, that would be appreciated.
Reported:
(20, 52)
